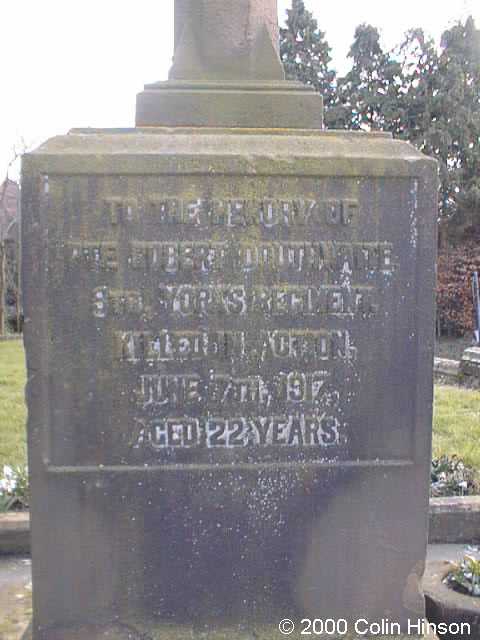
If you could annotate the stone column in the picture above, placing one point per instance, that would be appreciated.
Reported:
(223, 46)
(228, 22)
(226, 40)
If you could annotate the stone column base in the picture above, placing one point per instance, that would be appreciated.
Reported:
(276, 105)
(148, 631)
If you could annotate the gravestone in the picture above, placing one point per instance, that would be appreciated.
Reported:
(470, 362)
(229, 333)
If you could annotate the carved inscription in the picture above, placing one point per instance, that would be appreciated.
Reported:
(92, 255)
(326, 258)
(199, 301)
(237, 334)
(261, 431)
(176, 391)
(267, 213)
(165, 345)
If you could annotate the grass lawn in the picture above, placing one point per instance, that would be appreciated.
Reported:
(12, 405)
(456, 426)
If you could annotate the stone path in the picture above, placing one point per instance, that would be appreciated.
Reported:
(15, 597)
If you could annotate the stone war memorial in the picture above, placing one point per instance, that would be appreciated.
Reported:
(229, 332)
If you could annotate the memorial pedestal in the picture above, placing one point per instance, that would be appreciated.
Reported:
(229, 331)
(229, 347)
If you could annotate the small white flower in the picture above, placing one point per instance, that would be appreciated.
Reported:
(8, 483)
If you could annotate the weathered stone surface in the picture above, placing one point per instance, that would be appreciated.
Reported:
(233, 24)
(226, 40)
(451, 520)
(470, 362)
(172, 632)
(455, 520)
(229, 341)
(446, 367)
(284, 105)
(14, 533)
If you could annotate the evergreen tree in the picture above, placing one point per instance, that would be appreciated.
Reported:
(442, 116)
(456, 135)
(441, 108)
(305, 52)
(429, 97)
(369, 95)
(419, 93)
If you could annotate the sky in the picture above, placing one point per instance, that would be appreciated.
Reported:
(81, 63)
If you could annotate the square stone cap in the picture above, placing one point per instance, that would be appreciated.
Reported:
(229, 104)
(176, 151)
